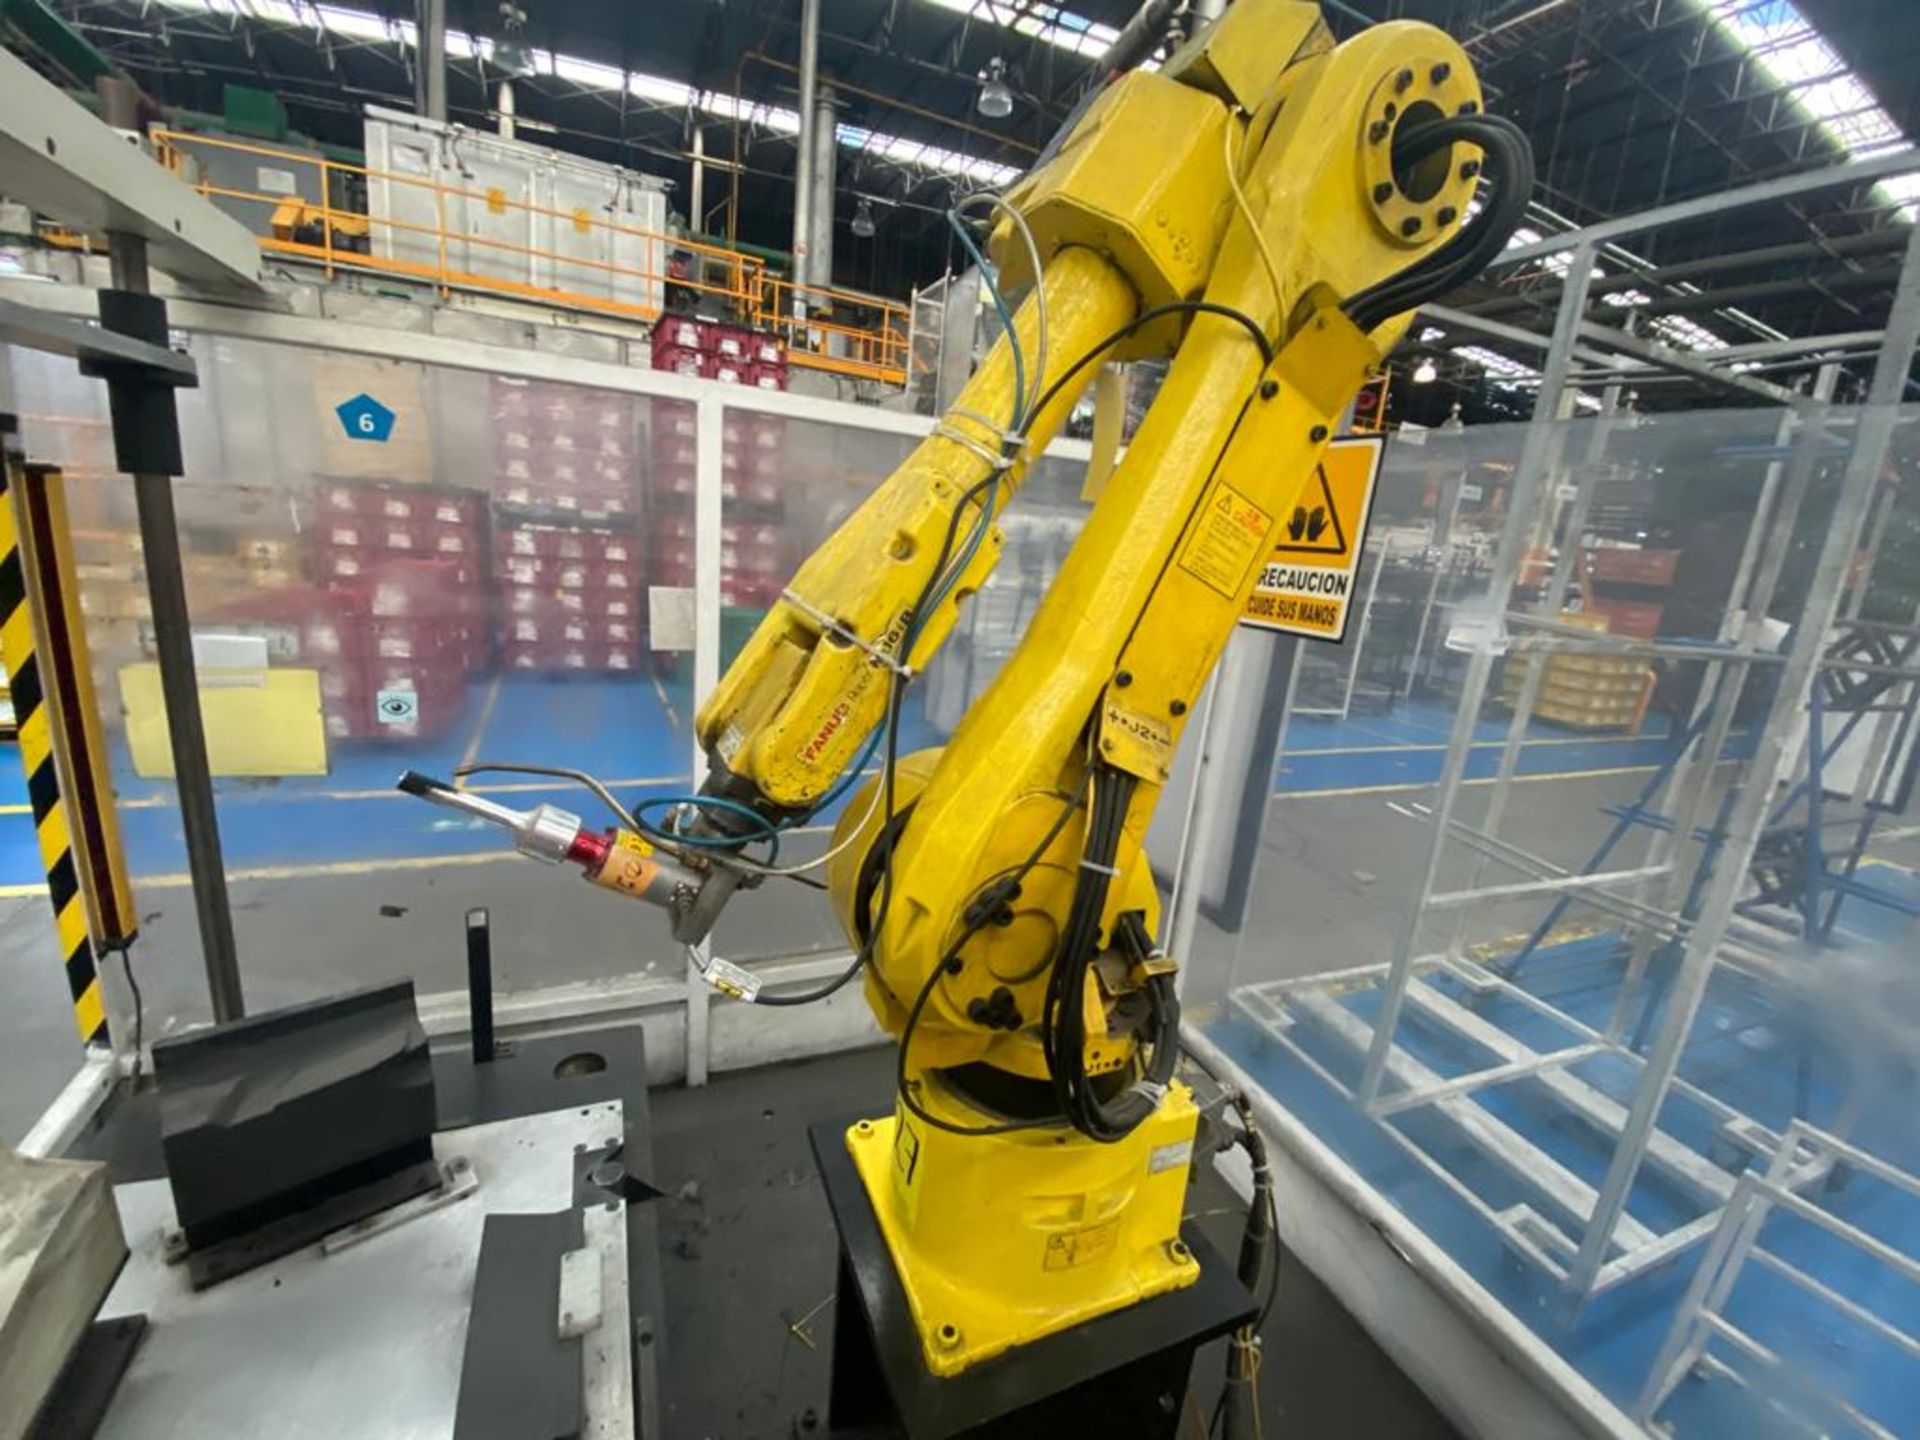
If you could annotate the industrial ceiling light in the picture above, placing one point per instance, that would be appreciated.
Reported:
(510, 53)
(863, 226)
(1426, 372)
(996, 98)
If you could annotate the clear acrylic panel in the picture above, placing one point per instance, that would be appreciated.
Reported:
(1662, 545)
(389, 566)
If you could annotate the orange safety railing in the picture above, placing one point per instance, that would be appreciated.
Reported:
(846, 333)
(860, 334)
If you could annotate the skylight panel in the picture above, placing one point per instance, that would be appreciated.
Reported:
(1794, 52)
(1062, 28)
(593, 75)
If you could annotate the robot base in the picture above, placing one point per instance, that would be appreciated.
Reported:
(1000, 1240)
(1122, 1375)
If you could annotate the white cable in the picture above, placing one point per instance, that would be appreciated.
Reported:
(854, 834)
(578, 777)
(1039, 290)
(1246, 213)
(1001, 461)
(834, 627)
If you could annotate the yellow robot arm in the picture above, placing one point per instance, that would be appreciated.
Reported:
(1137, 224)
(1270, 208)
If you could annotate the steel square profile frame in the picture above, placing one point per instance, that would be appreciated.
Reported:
(1701, 937)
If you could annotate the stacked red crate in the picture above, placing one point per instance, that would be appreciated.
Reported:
(362, 532)
(730, 354)
(391, 661)
(754, 562)
(669, 495)
(754, 558)
(769, 359)
(563, 448)
(415, 629)
(569, 594)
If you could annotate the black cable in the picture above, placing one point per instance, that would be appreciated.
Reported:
(1475, 245)
(139, 1009)
(1144, 318)
(948, 965)
(864, 953)
(890, 752)
(1255, 1145)
(1063, 1030)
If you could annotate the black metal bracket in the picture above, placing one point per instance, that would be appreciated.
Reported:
(146, 426)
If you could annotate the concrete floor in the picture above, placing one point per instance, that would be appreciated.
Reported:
(749, 1250)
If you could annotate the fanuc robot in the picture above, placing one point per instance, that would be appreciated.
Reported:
(1268, 209)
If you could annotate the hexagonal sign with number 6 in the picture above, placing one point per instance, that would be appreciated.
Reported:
(365, 418)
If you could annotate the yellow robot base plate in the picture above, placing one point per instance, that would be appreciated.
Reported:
(1000, 1240)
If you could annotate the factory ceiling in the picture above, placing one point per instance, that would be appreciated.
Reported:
(1630, 104)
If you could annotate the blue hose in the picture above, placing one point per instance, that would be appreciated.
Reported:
(768, 831)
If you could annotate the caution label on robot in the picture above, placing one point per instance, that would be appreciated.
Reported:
(1226, 540)
(1306, 586)
(1069, 1248)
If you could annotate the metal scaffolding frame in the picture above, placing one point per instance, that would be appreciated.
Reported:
(1680, 902)
(1702, 1317)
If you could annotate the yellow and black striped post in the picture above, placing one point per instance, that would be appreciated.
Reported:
(43, 645)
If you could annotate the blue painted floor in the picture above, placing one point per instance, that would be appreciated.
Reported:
(632, 733)
(1770, 1053)
(1407, 746)
(636, 733)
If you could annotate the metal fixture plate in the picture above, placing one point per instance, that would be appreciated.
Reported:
(368, 1341)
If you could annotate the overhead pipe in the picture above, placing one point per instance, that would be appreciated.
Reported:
(803, 151)
(1883, 278)
(892, 102)
(1841, 247)
(430, 59)
(819, 263)
(1141, 36)
(32, 22)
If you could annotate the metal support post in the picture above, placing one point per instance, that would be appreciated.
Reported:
(809, 75)
(1360, 637)
(1873, 437)
(1550, 606)
(1528, 502)
(430, 59)
(697, 182)
(1446, 518)
(1764, 555)
(708, 458)
(480, 985)
(145, 423)
(506, 108)
(823, 159)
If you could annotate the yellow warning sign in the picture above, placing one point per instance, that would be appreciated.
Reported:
(1306, 585)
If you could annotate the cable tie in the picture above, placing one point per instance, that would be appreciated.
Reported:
(994, 458)
(1153, 1092)
(1099, 869)
(1010, 443)
(833, 626)
(1012, 439)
